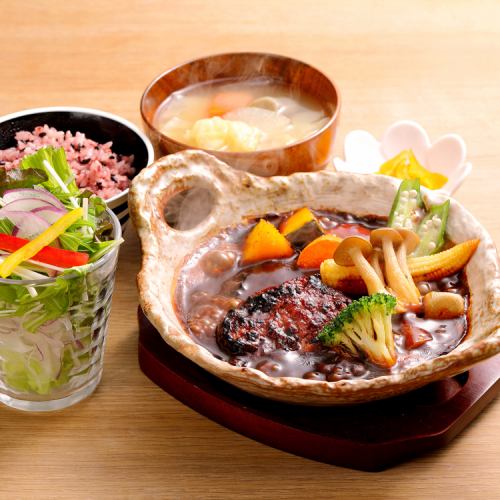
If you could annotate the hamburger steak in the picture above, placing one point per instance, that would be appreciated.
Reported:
(288, 316)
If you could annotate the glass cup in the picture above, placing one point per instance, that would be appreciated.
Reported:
(53, 333)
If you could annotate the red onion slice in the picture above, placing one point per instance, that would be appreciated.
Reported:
(27, 224)
(12, 195)
(27, 205)
(48, 213)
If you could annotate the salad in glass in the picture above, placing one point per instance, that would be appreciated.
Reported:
(58, 254)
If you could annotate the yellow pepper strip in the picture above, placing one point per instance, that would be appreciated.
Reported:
(406, 166)
(41, 241)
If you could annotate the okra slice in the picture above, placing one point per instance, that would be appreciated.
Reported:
(432, 230)
(408, 206)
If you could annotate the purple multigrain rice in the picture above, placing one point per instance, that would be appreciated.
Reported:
(96, 166)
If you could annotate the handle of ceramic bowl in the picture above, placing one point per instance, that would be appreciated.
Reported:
(183, 172)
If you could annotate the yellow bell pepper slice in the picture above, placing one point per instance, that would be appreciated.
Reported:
(397, 166)
(434, 180)
(406, 166)
(41, 241)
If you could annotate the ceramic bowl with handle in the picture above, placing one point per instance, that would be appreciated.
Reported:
(238, 196)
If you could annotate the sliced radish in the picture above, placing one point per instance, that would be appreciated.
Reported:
(27, 224)
(42, 194)
(268, 121)
(27, 205)
(50, 214)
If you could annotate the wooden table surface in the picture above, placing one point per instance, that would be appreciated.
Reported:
(436, 64)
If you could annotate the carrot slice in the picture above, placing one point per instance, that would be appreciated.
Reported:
(317, 251)
(265, 242)
(227, 101)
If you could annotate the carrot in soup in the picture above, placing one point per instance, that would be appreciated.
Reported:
(265, 242)
(317, 251)
(224, 102)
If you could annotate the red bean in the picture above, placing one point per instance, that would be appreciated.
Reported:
(313, 376)
(339, 373)
(226, 303)
(268, 367)
(358, 370)
(199, 296)
(217, 262)
(209, 311)
(202, 327)
(326, 368)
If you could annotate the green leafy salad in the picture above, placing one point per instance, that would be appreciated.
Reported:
(51, 234)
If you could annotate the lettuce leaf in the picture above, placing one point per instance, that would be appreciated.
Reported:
(16, 178)
(57, 159)
(6, 226)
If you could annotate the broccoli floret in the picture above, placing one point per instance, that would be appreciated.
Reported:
(365, 325)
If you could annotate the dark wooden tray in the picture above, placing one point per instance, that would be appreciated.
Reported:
(370, 437)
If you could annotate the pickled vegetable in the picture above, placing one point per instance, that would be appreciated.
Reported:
(406, 166)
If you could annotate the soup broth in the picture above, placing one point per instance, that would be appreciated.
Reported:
(213, 281)
(239, 116)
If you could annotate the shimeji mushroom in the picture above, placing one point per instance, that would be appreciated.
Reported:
(407, 246)
(266, 102)
(387, 238)
(375, 263)
(443, 305)
(355, 251)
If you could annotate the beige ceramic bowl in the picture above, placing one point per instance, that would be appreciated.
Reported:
(237, 195)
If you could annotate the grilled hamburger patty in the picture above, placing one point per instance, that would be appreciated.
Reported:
(288, 316)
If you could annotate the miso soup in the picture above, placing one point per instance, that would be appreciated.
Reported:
(239, 116)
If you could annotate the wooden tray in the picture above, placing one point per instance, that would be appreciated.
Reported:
(369, 437)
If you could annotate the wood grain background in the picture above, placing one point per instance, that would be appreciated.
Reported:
(437, 64)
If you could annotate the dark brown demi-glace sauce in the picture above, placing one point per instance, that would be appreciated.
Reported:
(213, 281)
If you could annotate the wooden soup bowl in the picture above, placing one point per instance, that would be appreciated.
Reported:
(239, 195)
(312, 153)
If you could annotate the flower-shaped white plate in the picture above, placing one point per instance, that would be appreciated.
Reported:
(364, 154)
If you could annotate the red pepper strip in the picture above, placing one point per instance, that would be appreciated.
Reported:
(50, 255)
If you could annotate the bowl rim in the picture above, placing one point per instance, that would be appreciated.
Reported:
(96, 112)
(234, 154)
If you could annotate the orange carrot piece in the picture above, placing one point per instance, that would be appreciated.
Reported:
(317, 251)
(296, 221)
(227, 101)
(265, 242)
